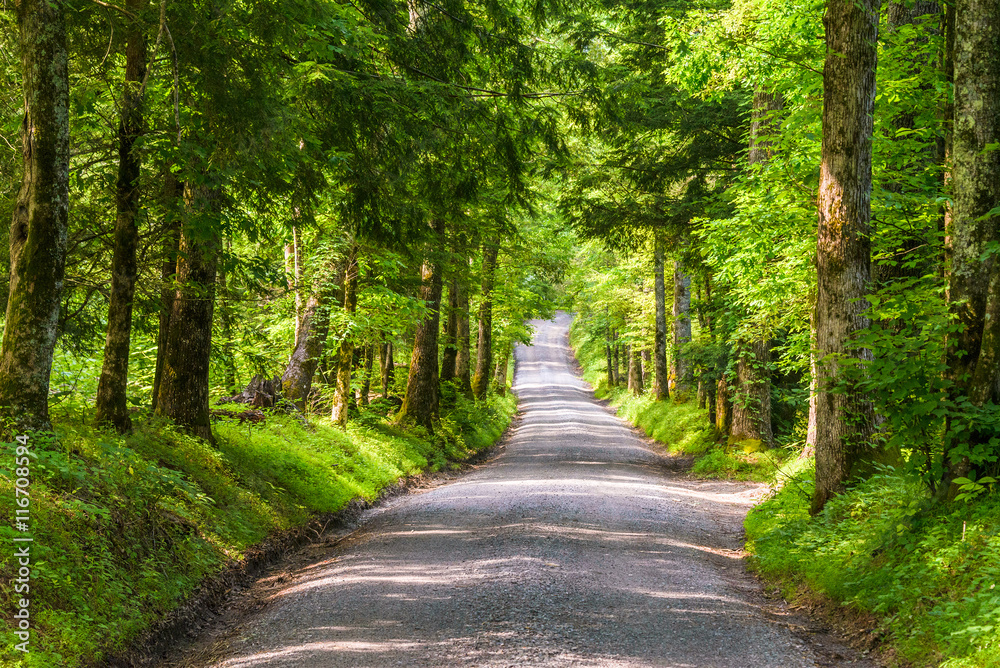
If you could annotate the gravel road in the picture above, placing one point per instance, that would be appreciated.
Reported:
(577, 546)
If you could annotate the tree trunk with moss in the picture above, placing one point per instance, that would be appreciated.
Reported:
(635, 371)
(752, 394)
(660, 368)
(110, 405)
(183, 389)
(173, 193)
(38, 227)
(974, 232)
(484, 349)
(449, 354)
(682, 328)
(342, 394)
(422, 400)
(366, 380)
(844, 416)
(500, 374)
(388, 368)
(463, 358)
(296, 382)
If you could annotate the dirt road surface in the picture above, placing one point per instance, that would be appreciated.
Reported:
(577, 546)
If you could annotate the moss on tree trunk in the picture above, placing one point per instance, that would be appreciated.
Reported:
(38, 226)
(844, 418)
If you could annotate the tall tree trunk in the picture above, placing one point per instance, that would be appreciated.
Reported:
(463, 359)
(449, 355)
(682, 328)
(974, 233)
(420, 404)
(484, 349)
(635, 371)
(293, 272)
(342, 394)
(844, 419)
(366, 381)
(723, 408)
(183, 390)
(662, 375)
(296, 382)
(174, 195)
(500, 374)
(388, 368)
(752, 400)
(38, 227)
(110, 405)
(616, 357)
(226, 322)
(609, 354)
(711, 389)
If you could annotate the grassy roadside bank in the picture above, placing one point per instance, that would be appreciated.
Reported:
(125, 528)
(682, 428)
(921, 580)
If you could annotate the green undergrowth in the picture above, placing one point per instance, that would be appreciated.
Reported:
(930, 573)
(681, 427)
(125, 528)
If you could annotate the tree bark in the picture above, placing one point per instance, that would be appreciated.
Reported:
(484, 349)
(974, 233)
(500, 374)
(844, 419)
(296, 382)
(345, 353)
(616, 358)
(723, 408)
(609, 354)
(449, 354)
(660, 370)
(110, 405)
(173, 193)
(420, 404)
(38, 227)
(226, 323)
(388, 368)
(463, 360)
(366, 383)
(752, 400)
(183, 390)
(635, 371)
(682, 328)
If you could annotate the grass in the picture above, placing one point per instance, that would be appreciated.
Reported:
(928, 573)
(125, 528)
(682, 428)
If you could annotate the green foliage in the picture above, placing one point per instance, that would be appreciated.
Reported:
(125, 528)
(682, 428)
(930, 573)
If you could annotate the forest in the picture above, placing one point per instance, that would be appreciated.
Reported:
(266, 257)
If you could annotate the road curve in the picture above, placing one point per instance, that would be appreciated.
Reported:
(576, 547)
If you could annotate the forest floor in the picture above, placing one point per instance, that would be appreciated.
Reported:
(580, 543)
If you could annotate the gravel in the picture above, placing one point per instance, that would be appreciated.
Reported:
(577, 546)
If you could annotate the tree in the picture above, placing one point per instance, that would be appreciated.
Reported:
(183, 389)
(110, 404)
(39, 226)
(974, 232)
(422, 400)
(484, 348)
(844, 418)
